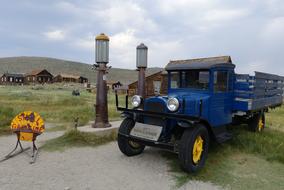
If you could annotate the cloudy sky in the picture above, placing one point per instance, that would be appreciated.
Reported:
(251, 31)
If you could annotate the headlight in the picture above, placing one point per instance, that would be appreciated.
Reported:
(173, 104)
(136, 101)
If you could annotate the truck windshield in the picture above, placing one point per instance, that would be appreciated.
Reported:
(198, 79)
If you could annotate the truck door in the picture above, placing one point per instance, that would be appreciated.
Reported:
(220, 110)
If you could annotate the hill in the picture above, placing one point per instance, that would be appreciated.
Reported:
(56, 66)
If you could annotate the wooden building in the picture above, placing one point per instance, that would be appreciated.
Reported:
(39, 76)
(156, 83)
(12, 79)
(70, 78)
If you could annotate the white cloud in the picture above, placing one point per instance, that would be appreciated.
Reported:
(222, 15)
(124, 15)
(122, 48)
(249, 30)
(274, 28)
(252, 66)
(161, 52)
(55, 35)
(189, 6)
(87, 43)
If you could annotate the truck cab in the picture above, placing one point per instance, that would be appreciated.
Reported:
(200, 103)
(204, 88)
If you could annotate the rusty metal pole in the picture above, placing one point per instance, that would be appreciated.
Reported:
(141, 82)
(102, 57)
(141, 64)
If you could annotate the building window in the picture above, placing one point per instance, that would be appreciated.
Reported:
(11, 79)
(157, 87)
(220, 81)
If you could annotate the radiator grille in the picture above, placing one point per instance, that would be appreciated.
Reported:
(155, 107)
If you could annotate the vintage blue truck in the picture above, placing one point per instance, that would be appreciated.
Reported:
(204, 97)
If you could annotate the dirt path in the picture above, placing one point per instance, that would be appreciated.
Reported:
(103, 167)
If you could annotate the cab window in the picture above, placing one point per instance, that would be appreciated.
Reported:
(175, 80)
(220, 81)
(194, 79)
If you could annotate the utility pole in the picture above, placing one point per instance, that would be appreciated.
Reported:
(102, 59)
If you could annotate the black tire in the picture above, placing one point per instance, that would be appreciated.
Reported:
(127, 147)
(187, 142)
(254, 123)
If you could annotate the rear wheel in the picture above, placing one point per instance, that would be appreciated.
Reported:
(127, 147)
(257, 122)
(193, 149)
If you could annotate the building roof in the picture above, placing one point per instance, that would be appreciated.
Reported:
(69, 76)
(200, 63)
(159, 72)
(13, 74)
(36, 72)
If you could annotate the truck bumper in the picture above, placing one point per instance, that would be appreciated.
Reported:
(167, 146)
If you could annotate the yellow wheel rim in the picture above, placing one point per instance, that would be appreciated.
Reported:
(197, 149)
(260, 125)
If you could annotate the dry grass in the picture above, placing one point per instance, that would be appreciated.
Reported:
(74, 138)
(54, 103)
(248, 161)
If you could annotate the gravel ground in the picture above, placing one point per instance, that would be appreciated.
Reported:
(103, 167)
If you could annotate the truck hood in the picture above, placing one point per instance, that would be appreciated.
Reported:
(189, 103)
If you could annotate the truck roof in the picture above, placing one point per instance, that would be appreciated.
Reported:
(200, 63)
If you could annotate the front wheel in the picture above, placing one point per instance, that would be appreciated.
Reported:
(193, 149)
(127, 147)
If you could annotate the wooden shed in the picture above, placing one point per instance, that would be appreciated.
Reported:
(156, 83)
(39, 76)
(70, 78)
(12, 78)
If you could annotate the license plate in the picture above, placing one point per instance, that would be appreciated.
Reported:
(145, 131)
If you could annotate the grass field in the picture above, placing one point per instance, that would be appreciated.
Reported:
(248, 161)
(54, 103)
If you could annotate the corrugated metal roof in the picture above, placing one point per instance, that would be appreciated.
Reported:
(63, 75)
(35, 72)
(200, 63)
(13, 74)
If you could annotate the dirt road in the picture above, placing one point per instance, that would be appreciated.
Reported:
(100, 168)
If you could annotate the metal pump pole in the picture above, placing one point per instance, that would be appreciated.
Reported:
(102, 58)
(141, 64)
